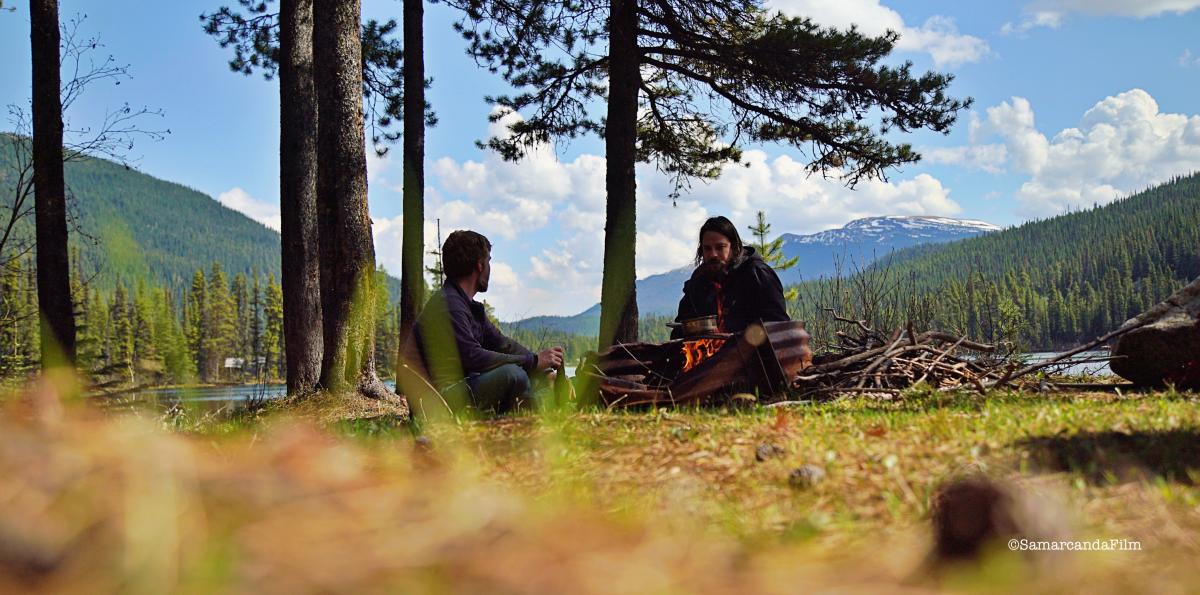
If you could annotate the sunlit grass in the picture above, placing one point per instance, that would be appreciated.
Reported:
(653, 501)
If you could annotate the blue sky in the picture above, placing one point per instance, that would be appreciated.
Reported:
(1077, 102)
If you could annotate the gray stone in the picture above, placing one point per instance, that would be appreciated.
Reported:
(1166, 346)
(766, 451)
(806, 476)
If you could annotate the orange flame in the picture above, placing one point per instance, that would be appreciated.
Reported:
(699, 350)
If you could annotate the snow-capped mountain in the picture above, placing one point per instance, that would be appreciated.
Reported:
(892, 229)
(856, 244)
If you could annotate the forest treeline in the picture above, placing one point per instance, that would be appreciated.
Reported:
(218, 328)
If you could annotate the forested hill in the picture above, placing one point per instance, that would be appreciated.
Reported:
(151, 229)
(1062, 280)
(1111, 247)
(147, 228)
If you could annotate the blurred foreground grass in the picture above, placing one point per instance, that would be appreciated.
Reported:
(595, 502)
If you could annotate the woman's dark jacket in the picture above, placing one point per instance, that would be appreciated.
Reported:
(749, 291)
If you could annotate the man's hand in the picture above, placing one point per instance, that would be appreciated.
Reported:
(549, 358)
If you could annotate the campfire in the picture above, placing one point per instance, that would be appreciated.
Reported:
(764, 359)
(699, 350)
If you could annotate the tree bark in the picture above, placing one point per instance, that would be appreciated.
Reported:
(298, 197)
(412, 273)
(618, 298)
(50, 190)
(347, 255)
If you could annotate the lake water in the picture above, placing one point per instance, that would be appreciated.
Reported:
(216, 396)
(1082, 368)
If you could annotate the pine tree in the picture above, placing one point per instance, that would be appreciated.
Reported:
(772, 251)
(121, 319)
(50, 191)
(387, 333)
(199, 326)
(177, 361)
(256, 326)
(273, 347)
(347, 253)
(88, 345)
(243, 321)
(12, 315)
(144, 338)
(100, 328)
(412, 270)
(221, 314)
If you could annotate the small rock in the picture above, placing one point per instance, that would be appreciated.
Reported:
(683, 433)
(425, 456)
(767, 451)
(806, 476)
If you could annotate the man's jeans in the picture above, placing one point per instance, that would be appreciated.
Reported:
(500, 389)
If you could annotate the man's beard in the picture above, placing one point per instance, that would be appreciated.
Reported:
(714, 270)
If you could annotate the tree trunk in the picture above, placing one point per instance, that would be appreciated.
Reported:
(50, 191)
(298, 197)
(412, 272)
(347, 255)
(618, 298)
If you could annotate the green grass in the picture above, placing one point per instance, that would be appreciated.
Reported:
(882, 459)
(646, 501)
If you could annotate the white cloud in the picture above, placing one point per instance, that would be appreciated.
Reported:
(389, 237)
(558, 208)
(1014, 122)
(1124, 8)
(989, 158)
(566, 279)
(504, 288)
(506, 198)
(1039, 18)
(1050, 13)
(938, 35)
(1122, 144)
(1187, 60)
(265, 212)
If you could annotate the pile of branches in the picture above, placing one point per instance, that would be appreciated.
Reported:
(867, 361)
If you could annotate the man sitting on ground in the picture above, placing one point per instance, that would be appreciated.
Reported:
(731, 281)
(493, 369)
